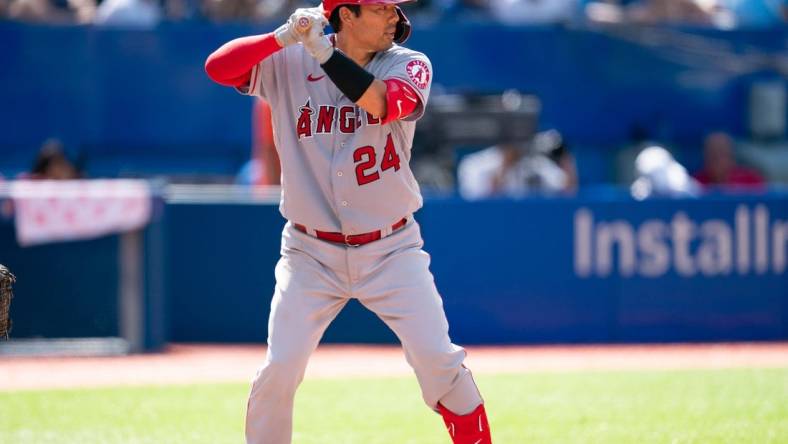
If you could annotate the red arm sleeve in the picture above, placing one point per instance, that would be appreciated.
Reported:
(231, 65)
(401, 100)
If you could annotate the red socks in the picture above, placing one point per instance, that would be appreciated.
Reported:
(467, 429)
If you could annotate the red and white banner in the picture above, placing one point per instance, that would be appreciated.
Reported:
(50, 211)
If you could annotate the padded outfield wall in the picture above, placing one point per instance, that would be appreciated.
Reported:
(592, 269)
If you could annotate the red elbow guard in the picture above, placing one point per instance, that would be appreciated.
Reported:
(401, 100)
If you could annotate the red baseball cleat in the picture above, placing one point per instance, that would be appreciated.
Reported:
(467, 429)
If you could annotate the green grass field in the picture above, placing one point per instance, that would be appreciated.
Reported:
(720, 406)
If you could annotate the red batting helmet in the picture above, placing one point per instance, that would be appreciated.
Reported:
(403, 25)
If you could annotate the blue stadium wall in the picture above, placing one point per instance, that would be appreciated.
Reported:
(600, 268)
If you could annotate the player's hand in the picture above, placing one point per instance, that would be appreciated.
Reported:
(299, 25)
(307, 19)
(317, 45)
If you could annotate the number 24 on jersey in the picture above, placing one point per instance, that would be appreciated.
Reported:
(365, 159)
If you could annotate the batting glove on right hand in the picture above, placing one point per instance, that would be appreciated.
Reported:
(299, 24)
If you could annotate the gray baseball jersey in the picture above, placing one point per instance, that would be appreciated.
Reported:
(342, 170)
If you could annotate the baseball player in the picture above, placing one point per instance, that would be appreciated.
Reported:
(344, 110)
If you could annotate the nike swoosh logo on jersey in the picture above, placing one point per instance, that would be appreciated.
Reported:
(314, 79)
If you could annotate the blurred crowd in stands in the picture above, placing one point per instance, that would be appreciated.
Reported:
(545, 166)
(723, 14)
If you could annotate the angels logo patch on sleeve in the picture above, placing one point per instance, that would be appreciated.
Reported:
(419, 73)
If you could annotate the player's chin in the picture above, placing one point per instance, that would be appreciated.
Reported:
(387, 41)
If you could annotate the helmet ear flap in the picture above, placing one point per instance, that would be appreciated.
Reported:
(403, 30)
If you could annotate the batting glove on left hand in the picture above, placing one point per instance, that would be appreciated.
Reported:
(299, 24)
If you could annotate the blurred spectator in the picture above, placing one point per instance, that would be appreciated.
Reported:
(129, 13)
(639, 139)
(232, 10)
(280, 9)
(516, 169)
(181, 10)
(560, 154)
(720, 167)
(51, 163)
(686, 12)
(51, 11)
(84, 10)
(604, 11)
(533, 11)
(689, 12)
(658, 174)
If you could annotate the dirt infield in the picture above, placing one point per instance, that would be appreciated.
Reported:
(185, 364)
